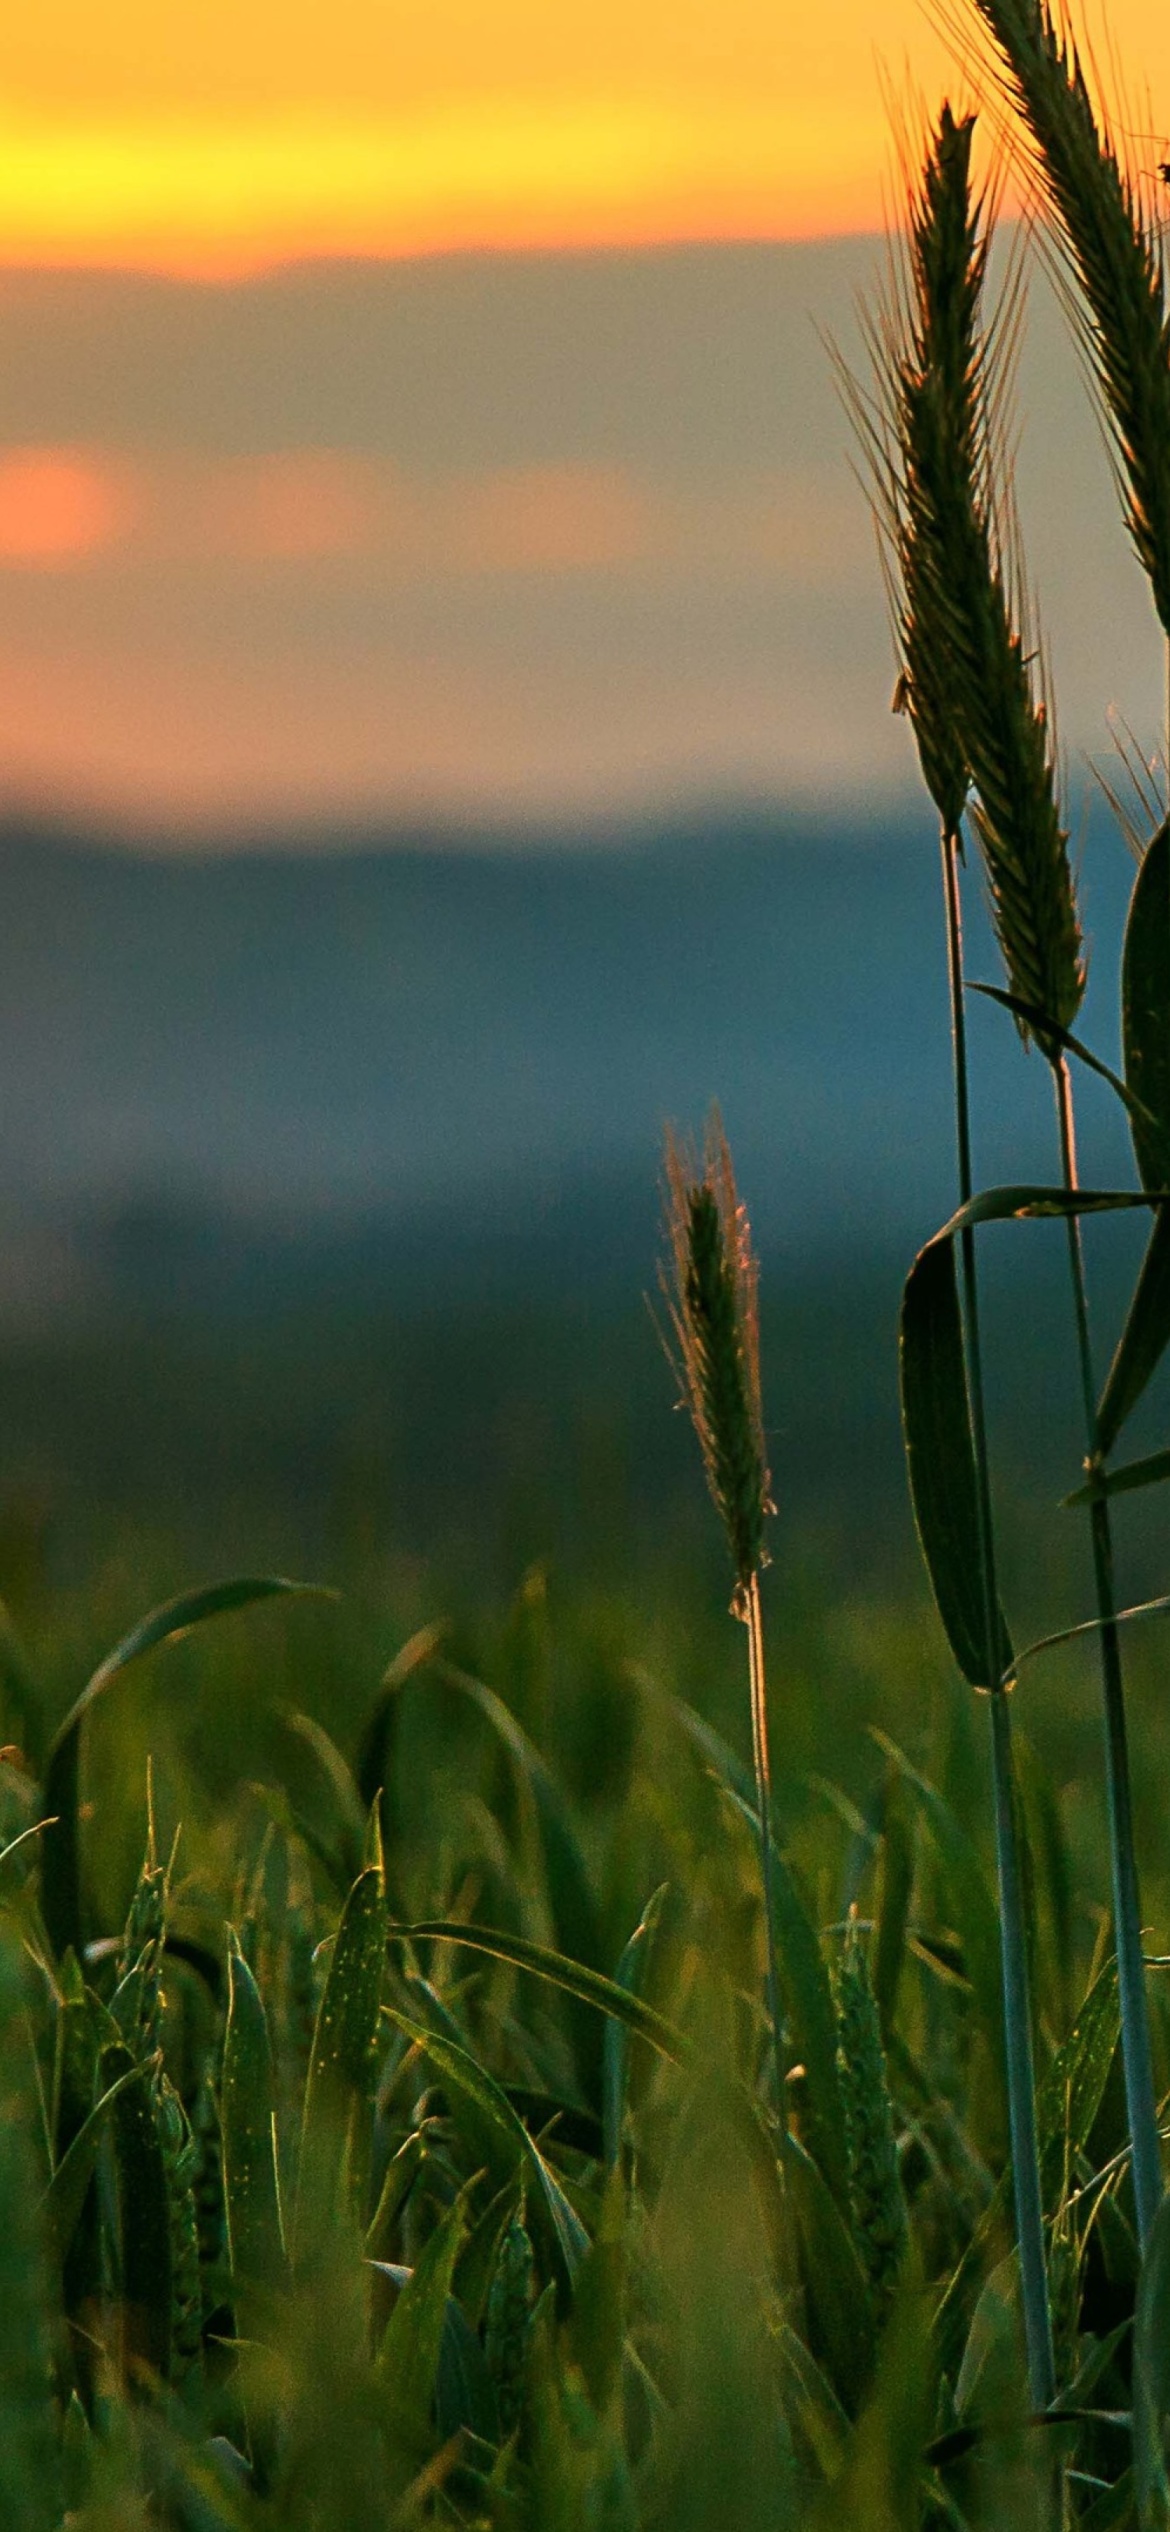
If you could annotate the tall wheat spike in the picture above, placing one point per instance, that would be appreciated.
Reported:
(1003, 723)
(940, 339)
(712, 1292)
(711, 1287)
(1005, 733)
(1115, 246)
(931, 447)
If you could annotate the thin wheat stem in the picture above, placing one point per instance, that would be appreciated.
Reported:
(1137, 2056)
(1017, 2006)
(753, 1616)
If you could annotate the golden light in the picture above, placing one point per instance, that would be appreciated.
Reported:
(236, 134)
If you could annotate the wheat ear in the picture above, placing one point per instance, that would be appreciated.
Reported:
(711, 1285)
(1115, 248)
(933, 395)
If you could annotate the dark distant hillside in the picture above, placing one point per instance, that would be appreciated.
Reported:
(331, 1184)
(483, 1037)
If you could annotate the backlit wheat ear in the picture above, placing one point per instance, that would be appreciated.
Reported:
(968, 679)
(931, 434)
(959, 601)
(1115, 247)
(943, 341)
(711, 1284)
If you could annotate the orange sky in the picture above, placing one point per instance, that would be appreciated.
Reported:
(212, 135)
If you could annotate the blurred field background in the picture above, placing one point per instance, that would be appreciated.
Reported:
(332, 1227)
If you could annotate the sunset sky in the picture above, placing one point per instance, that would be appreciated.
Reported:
(231, 586)
(214, 132)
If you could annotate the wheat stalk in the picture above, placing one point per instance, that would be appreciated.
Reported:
(1005, 732)
(935, 499)
(711, 1285)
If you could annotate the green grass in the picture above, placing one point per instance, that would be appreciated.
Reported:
(609, 2292)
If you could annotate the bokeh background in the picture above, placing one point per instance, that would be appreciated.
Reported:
(445, 732)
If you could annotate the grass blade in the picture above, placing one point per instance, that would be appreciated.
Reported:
(1093, 1626)
(251, 2189)
(1042, 1026)
(1143, 1339)
(339, 2092)
(1074, 2085)
(940, 1458)
(501, 2141)
(804, 1979)
(632, 1968)
(1128, 1480)
(834, 2280)
(610, 1996)
(65, 2196)
(144, 2222)
(976, 1917)
(408, 2361)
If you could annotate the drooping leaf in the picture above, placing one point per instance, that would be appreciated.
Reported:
(572, 1906)
(1113, 2509)
(61, 1893)
(1127, 1480)
(1041, 1025)
(374, 1764)
(344, 1800)
(1143, 1339)
(335, 2133)
(248, 2121)
(1158, 1608)
(1145, 1002)
(589, 1987)
(1037, 1203)
(940, 1461)
(18, 1845)
(401, 2174)
(571, 1899)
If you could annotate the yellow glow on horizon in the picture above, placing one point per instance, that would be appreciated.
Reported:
(228, 135)
(218, 197)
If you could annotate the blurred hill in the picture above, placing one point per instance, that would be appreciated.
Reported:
(459, 1045)
(331, 1179)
